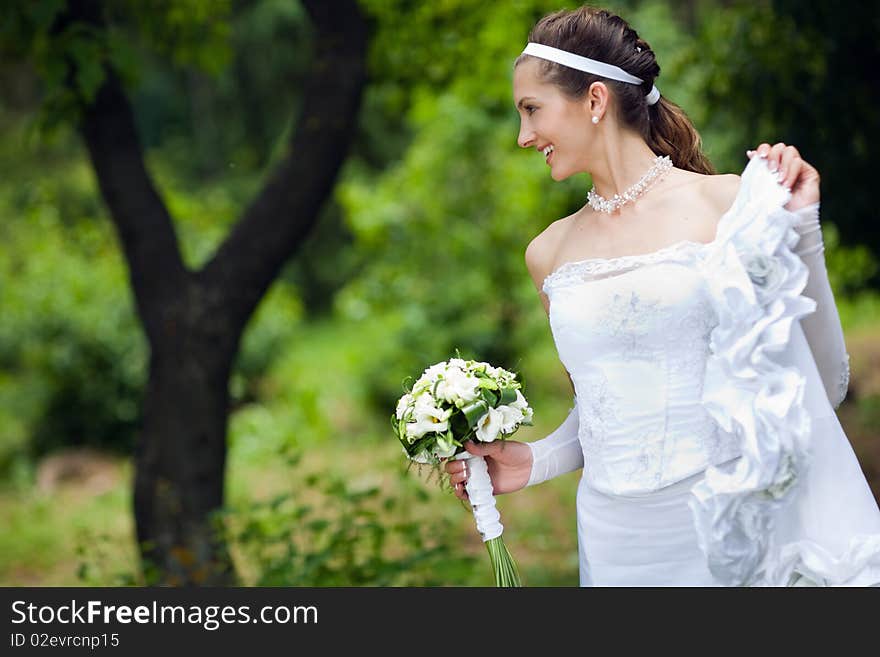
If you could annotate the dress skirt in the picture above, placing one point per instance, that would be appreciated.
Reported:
(640, 540)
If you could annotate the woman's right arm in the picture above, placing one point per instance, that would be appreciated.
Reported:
(559, 452)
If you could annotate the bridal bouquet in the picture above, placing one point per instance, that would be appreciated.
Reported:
(455, 401)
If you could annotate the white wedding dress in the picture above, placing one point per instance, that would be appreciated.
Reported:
(706, 377)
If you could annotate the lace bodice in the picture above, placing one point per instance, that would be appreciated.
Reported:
(633, 332)
(591, 268)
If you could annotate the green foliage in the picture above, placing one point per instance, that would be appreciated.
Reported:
(192, 33)
(71, 350)
(861, 311)
(73, 359)
(330, 533)
(798, 72)
(94, 552)
(849, 267)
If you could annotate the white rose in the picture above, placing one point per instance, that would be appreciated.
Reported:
(460, 363)
(434, 371)
(428, 378)
(458, 387)
(510, 418)
(488, 426)
(765, 271)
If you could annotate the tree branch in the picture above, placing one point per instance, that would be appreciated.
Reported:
(287, 207)
(143, 223)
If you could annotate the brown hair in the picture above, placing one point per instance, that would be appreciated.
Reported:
(599, 34)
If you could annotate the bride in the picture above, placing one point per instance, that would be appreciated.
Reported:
(694, 316)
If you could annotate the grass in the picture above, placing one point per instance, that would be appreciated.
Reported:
(46, 534)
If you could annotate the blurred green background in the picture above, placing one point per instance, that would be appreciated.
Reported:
(418, 251)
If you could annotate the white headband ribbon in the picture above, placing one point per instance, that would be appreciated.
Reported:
(588, 65)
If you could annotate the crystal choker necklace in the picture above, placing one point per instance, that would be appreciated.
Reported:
(661, 165)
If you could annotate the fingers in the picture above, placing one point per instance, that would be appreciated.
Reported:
(789, 171)
(482, 449)
(762, 150)
(458, 474)
(783, 160)
(789, 166)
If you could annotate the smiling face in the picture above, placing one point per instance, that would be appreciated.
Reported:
(547, 117)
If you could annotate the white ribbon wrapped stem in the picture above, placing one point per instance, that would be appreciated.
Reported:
(479, 490)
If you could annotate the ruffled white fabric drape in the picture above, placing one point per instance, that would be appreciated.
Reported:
(691, 355)
(797, 504)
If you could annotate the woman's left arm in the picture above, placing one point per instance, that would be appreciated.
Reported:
(822, 328)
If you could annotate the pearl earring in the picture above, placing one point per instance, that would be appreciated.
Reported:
(595, 119)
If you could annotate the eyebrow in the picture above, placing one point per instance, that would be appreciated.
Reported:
(524, 99)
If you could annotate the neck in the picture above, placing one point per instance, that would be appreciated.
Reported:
(623, 159)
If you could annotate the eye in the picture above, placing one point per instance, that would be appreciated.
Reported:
(530, 109)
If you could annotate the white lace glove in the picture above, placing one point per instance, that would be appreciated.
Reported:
(822, 328)
(560, 452)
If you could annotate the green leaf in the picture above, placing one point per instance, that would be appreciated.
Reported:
(490, 397)
(507, 395)
(473, 412)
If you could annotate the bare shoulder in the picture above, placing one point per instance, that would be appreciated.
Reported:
(541, 252)
(720, 190)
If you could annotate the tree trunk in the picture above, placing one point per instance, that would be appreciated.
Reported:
(194, 320)
(180, 455)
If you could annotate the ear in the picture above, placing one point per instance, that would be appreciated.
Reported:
(596, 100)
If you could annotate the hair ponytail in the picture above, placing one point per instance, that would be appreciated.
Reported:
(670, 132)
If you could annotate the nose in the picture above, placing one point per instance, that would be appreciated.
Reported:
(525, 138)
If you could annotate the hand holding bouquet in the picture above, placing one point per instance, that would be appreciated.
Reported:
(455, 401)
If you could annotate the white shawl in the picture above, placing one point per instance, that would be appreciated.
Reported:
(796, 509)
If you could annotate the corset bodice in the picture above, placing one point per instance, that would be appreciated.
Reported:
(633, 333)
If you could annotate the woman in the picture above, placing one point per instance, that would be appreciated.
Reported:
(703, 415)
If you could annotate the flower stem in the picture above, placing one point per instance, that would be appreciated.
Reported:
(503, 565)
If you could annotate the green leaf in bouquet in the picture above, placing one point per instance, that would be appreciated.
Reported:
(473, 412)
(425, 442)
(458, 424)
(490, 397)
(487, 382)
(507, 395)
(400, 431)
(460, 428)
(443, 441)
